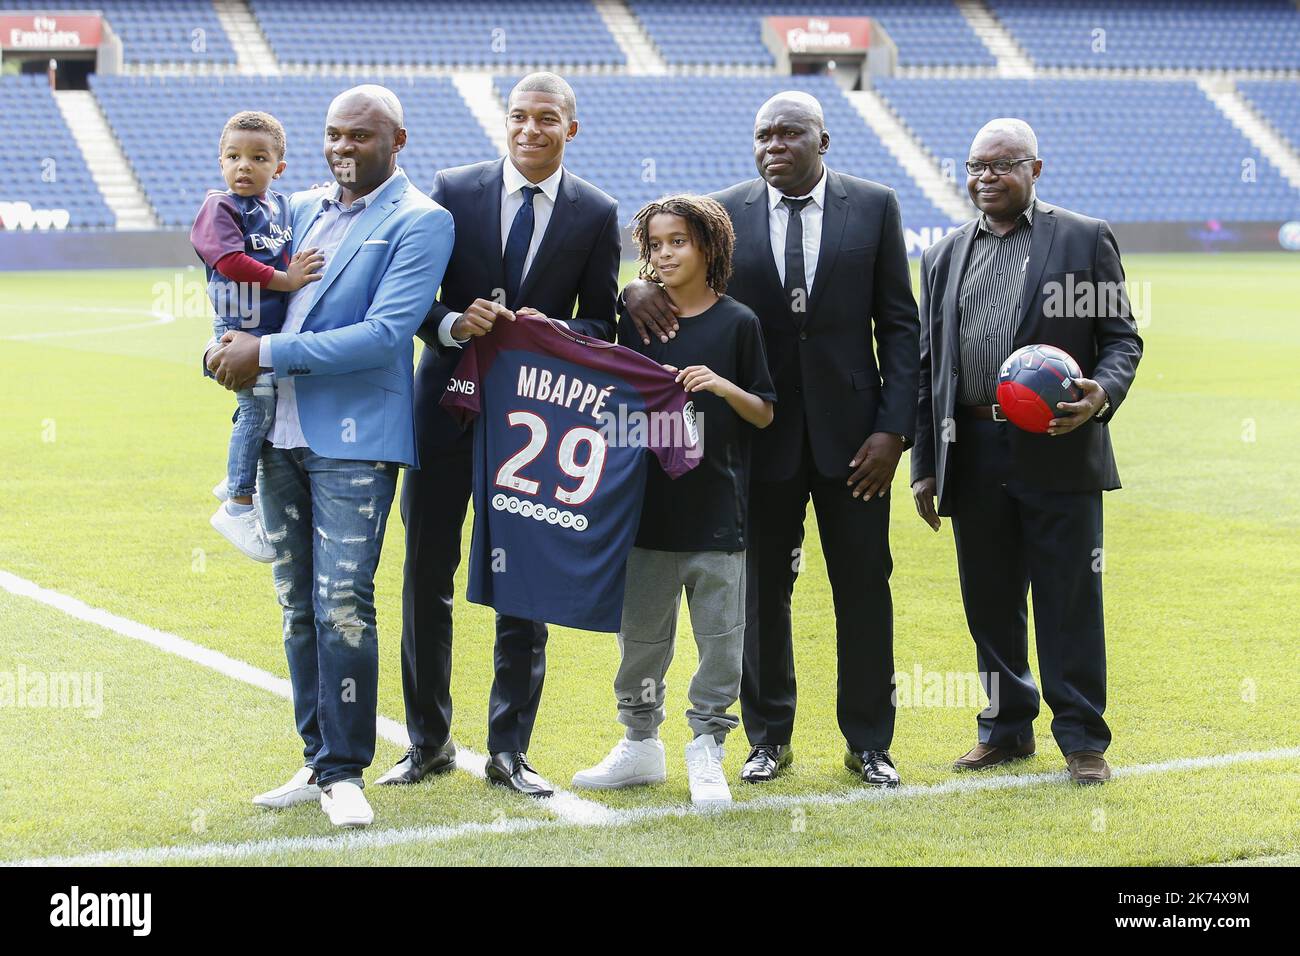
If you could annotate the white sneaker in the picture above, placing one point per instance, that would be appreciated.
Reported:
(221, 491)
(704, 771)
(245, 532)
(346, 805)
(630, 764)
(299, 789)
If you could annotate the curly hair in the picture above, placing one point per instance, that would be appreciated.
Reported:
(710, 229)
(256, 122)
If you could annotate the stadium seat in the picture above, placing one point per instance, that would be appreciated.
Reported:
(1122, 150)
(45, 167)
(1155, 34)
(170, 129)
(158, 31)
(926, 32)
(454, 32)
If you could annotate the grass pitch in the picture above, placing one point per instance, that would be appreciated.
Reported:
(111, 440)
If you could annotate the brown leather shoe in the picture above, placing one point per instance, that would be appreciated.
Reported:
(1087, 767)
(983, 756)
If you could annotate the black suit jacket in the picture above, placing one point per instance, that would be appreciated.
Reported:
(577, 262)
(828, 380)
(1103, 339)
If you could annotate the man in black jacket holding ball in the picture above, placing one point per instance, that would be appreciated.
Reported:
(1026, 508)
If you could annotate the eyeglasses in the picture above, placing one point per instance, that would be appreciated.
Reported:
(1000, 167)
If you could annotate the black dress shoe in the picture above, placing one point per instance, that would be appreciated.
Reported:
(875, 767)
(765, 762)
(513, 771)
(419, 763)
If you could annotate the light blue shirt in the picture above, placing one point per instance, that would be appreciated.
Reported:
(325, 235)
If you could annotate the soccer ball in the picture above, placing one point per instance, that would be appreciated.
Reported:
(1030, 383)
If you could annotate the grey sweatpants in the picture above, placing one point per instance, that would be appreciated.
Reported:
(715, 593)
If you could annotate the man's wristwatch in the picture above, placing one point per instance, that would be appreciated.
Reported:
(1101, 412)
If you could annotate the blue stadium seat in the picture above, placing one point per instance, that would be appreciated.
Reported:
(1121, 150)
(1164, 34)
(170, 129)
(45, 167)
(454, 32)
(1279, 103)
(927, 32)
(157, 31)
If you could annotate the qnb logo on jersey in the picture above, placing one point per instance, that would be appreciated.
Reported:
(461, 385)
(540, 512)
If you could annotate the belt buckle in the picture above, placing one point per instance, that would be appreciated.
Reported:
(997, 412)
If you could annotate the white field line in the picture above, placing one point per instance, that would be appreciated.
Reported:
(565, 805)
(235, 852)
(370, 839)
(159, 318)
(569, 808)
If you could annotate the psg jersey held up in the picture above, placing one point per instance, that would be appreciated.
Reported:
(564, 426)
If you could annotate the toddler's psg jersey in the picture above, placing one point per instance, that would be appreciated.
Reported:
(564, 425)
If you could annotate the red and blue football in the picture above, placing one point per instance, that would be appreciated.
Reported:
(1030, 383)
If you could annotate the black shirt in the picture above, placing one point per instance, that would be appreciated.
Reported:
(989, 301)
(707, 508)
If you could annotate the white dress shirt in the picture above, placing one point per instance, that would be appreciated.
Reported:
(778, 220)
(326, 235)
(512, 198)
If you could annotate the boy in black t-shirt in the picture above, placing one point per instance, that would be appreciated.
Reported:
(693, 530)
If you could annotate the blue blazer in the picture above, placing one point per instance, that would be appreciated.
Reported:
(352, 362)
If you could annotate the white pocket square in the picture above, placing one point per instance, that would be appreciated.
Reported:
(375, 242)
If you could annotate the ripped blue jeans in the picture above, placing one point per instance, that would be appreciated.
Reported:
(326, 518)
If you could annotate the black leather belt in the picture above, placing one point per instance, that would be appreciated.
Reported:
(988, 413)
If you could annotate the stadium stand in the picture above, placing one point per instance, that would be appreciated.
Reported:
(1127, 149)
(465, 33)
(927, 32)
(169, 127)
(43, 166)
(1279, 104)
(639, 140)
(1123, 150)
(158, 31)
(1165, 34)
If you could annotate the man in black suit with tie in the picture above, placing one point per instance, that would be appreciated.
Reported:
(1026, 508)
(529, 233)
(820, 258)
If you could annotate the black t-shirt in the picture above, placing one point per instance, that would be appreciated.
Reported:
(707, 508)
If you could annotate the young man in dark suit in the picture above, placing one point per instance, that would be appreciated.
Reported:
(1026, 508)
(820, 258)
(529, 234)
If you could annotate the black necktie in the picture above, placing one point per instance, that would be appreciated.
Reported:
(517, 243)
(796, 287)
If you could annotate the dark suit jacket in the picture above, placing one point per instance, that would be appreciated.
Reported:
(1104, 341)
(577, 261)
(827, 377)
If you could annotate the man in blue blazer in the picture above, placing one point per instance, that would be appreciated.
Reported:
(530, 233)
(343, 426)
